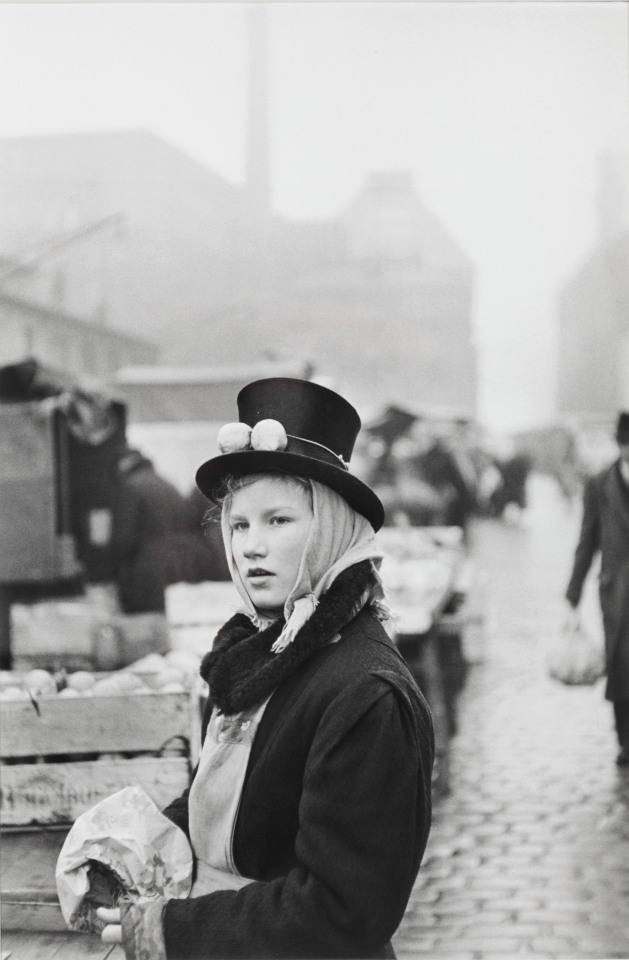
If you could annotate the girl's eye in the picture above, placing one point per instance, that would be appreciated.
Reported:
(238, 526)
(280, 520)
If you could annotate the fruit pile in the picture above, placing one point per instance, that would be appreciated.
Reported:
(171, 673)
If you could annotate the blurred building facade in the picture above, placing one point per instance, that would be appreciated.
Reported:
(80, 347)
(593, 374)
(143, 244)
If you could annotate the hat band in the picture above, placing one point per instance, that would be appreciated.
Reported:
(310, 448)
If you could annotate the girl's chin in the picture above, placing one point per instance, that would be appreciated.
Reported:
(273, 613)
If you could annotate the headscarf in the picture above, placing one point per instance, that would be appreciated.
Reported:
(338, 538)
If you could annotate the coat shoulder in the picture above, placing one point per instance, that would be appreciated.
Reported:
(366, 664)
(365, 646)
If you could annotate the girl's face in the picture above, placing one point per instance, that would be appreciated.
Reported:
(269, 521)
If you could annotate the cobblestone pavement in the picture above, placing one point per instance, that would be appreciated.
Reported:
(529, 852)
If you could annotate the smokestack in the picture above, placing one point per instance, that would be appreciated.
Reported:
(258, 159)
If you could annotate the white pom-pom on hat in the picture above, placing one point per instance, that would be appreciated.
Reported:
(269, 435)
(233, 437)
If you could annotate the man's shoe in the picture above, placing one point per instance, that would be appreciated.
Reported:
(623, 757)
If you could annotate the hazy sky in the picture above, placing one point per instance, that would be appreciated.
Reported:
(500, 109)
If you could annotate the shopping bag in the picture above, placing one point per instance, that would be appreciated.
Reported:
(576, 658)
(122, 849)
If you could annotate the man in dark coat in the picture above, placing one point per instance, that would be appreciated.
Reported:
(149, 518)
(438, 467)
(605, 527)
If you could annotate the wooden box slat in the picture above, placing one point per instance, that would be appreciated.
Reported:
(34, 945)
(26, 910)
(47, 793)
(29, 858)
(115, 724)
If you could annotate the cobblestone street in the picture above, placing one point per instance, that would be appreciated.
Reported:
(529, 852)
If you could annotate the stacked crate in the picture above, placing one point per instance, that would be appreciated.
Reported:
(60, 756)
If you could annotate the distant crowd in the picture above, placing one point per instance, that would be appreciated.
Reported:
(443, 472)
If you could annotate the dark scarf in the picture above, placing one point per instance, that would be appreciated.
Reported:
(241, 670)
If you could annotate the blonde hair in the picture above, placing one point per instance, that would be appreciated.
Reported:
(231, 485)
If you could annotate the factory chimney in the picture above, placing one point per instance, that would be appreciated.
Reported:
(258, 157)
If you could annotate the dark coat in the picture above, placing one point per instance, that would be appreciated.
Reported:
(205, 551)
(605, 527)
(438, 467)
(335, 809)
(149, 518)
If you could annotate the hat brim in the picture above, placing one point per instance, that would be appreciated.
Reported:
(211, 475)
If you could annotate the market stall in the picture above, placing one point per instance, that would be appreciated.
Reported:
(425, 572)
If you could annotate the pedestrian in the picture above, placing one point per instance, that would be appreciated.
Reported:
(149, 517)
(605, 528)
(310, 808)
(432, 466)
(205, 550)
(511, 491)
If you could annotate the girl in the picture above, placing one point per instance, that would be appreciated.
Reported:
(309, 810)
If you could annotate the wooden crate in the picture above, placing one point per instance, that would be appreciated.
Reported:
(38, 787)
(29, 896)
(60, 756)
(30, 908)
(60, 792)
(76, 725)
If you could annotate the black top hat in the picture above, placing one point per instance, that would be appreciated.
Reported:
(320, 431)
(622, 427)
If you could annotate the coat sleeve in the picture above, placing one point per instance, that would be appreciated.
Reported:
(588, 544)
(364, 819)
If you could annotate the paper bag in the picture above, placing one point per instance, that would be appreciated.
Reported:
(123, 848)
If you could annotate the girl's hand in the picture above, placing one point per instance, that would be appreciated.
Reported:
(112, 933)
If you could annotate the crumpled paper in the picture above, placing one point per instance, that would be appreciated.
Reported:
(122, 849)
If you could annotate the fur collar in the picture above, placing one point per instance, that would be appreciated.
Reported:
(241, 670)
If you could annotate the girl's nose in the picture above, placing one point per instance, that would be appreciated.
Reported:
(254, 545)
